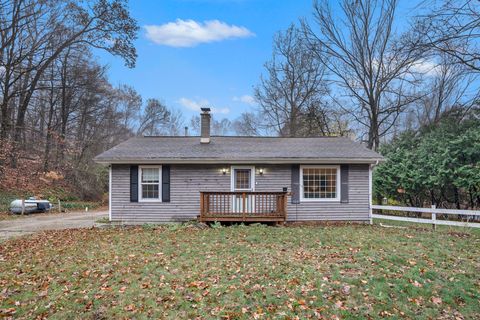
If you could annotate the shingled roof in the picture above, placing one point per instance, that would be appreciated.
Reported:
(239, 150)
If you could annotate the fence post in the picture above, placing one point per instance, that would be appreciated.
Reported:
(434, 218)
(23, 206)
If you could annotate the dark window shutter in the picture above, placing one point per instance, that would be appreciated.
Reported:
(133, 183)
(295, 183)
(344, 183)
(165, 183)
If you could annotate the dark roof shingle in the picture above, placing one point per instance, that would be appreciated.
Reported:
(238, 149)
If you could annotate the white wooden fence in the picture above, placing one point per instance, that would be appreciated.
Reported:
(434, 211)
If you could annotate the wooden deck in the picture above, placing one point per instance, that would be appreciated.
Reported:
(243, 206)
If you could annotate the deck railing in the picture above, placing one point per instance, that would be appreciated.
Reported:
(243, 206)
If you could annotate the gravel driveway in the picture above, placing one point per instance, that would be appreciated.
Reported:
(54, 221)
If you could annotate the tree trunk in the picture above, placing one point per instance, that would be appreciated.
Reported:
(64, 110)
(48, 139)
(432, 197)
(457, 198)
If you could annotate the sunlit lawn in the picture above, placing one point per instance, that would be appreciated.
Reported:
(242, 272)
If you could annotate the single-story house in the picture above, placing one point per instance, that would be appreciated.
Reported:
(220, 178)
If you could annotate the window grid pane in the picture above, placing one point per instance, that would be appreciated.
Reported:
(319, 183)
(242, 178)
(150, 191)
(150, 183)
(150, 175)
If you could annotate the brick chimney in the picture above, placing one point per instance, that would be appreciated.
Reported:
(205, 125)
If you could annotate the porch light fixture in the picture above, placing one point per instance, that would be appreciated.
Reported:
(224, 171)
(260, 171)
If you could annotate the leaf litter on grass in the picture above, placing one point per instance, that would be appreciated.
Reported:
(241, 273)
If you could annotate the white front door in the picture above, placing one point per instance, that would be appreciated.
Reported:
(243, 179)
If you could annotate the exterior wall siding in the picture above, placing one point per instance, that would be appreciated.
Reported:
(186, 182)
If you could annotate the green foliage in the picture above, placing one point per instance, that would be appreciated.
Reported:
(439, 164)
(216, 225)
(79, 205)
(90, 181)
(103, 220)
(174, 226)
(5, 200)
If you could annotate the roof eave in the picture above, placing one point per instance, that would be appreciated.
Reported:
(244, 161)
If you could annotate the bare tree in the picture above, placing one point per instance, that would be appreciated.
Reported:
(451, 27)
(370, 67)
(16, 20)
(130, 104)
(37, 33)
(248, 124)
(57, 107)
(222, 127)
(154, 118)
(176, 123)
(448, 85)
(291, 95)
(195, 125)
(218, 128)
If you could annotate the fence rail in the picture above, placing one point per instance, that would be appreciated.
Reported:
(433, 211)
(243, 206)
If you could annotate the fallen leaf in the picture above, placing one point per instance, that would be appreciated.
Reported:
(130, 307)
(8, 311)
(43, 293)
(436, 300)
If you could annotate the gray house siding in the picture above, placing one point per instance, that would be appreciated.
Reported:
(186, 181)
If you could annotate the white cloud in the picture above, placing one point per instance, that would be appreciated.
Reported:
(189, 33)
(427, 67)
(195, 105)
(246, 99)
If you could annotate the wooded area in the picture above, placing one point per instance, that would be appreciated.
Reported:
(436, 165)
(412, 95)
(58, 108)
(402, 86)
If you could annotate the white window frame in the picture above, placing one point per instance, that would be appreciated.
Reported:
(232, 177)
(338, 185)
(140, 197)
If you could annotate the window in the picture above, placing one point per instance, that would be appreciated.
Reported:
(242, 178)
(150, 182)
(320, 183)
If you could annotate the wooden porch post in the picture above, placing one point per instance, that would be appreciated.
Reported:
(244, 205)
(201, 205)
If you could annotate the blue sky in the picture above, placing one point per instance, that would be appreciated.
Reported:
(184, 70)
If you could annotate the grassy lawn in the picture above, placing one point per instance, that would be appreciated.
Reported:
(350, 271)
(427, 226)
